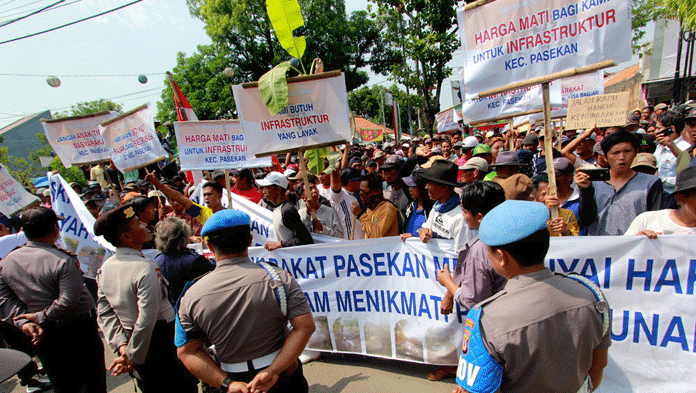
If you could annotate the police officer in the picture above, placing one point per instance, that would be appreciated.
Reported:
(242, 308)
(133, 310)
(42, 292)
(543, 332)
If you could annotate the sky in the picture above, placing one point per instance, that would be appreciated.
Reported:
(90, 57)
(142, 39)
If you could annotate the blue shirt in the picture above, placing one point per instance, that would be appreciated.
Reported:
(415, 219)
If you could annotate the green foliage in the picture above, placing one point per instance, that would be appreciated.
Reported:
(89, 107)
(425, 31)
(643, 11)
(273, 86)
(366, 102)
(286, 16)
(315, 159)
(684, 10)
(200, 77)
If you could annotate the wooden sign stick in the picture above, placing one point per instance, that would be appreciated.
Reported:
(548, 145)
(227, 187)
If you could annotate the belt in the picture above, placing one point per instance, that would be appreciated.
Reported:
(250, 365)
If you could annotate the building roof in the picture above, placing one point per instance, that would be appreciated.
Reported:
(626, 73)
(362, 123)
(45, 114)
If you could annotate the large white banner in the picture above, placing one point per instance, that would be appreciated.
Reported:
(510, 103)
(516, 40)
(216, 144)
(316, 113)
(380, 297)
(132, 140)
(13, 197)
(77, 141)
(77, 229)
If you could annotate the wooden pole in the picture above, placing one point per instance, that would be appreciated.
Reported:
(303, 170)
(227, 187)
(548, 78)
(548, 146)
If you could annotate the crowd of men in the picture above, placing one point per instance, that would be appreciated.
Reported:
(488, 192)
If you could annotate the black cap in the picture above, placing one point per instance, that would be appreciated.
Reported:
(114, 222)
(686, 180)
(38, 222)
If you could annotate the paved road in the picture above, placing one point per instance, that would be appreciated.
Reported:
(333, 373)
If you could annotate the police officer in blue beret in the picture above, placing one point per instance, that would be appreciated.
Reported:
(543, 332)
(243, 308)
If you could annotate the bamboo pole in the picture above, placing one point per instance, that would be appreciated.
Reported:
(227, 187)
(548, 78)
(477, 4)
(548, 146)
(299, 78)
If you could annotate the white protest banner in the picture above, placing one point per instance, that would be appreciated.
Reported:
(521, 40)
(511, 102)
(316, 114)
(380, 297)
(77, 140)
(603, 111)
(132, 139)
(216, 144)
(13, 197)
(448, 119)
(77, 229)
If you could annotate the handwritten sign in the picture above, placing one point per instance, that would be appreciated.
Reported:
(13, 197)
(132, 139)
(316, 114)
(77, 140)
(521, 40)
(603, 110)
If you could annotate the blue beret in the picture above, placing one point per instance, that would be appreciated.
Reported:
(512, 221)
(225, 219)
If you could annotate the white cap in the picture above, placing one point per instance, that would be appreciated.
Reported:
(273, 178)
(469, 142)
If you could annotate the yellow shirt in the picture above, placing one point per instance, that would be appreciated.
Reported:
(570, 220)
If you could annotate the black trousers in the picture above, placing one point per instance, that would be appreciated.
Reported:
(162, 370)
(73, 355)
(294, 382)
(13, 338)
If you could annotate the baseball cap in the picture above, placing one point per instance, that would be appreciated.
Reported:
(273, 178)
(562, 165)
(531, 139)
(482, 148)
(469, 142)
(644, 159)
(475, 163)
(661, 106)
(217, 173)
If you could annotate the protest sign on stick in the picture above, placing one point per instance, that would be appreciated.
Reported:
(76, 140)
(316, 115)
(13, 197)
(604, 110)
(132, 139)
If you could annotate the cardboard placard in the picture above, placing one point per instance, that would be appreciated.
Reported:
(604, 110)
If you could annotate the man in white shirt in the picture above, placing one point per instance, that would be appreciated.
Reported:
(669, 128)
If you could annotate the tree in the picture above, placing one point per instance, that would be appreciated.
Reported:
(642, 12)
(423, 31)
(684, 10)
(241, 29)
(367, 102)
(90, 107)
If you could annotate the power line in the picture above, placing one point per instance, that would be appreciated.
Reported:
(84, 76)
(32, 13)
(18, 7)
(52, 9)
(71, 23)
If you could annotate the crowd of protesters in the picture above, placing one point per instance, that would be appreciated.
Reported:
(639, 179)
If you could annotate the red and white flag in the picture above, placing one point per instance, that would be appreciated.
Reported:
(184, 111)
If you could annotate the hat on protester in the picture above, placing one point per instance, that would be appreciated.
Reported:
(293, 167)
(661, 105)
(437, 150)
(300, 175)
(156, 194)
(506, 158)
(470, 142)
(130, 186)
(217, 173)
(482, 148)
(223, 219)
(275, 179)
(691, 115)
(391, 164)
(632, 120)
(512, 221)
(12, 362)
(597, 148)
(686, 180)
(409, 181)
(525, 156)
(517, 187)
(93, 184)
(458, 144)
(431, 160)
(38, 220)
(443, 172)
(562, 166)
(354, 160)
(114, 222)
(289, 172)
(142, 182)
(348, 174)
(530, 139)
(644, 159)
(379, 153)
(475, 163)
(543, 132)
(370, 163)
(47, 193)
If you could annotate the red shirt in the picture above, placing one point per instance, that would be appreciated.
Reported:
(251, 194)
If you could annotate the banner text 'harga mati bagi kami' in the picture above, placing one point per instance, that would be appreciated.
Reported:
(520, 40)
(380, 297)
(217, 144)
(132, 139)
(13, 197)
(316, 114)
(77, 140)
